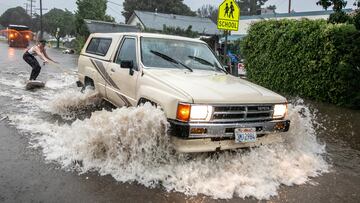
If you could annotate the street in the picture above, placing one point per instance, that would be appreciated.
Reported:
(49, 154)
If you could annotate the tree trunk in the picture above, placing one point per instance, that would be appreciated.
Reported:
(58, 42)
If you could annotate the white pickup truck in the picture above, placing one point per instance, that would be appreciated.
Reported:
(207, 108)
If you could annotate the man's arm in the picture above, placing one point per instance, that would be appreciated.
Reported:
(42, 56)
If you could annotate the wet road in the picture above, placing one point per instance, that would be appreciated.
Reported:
(28, 173)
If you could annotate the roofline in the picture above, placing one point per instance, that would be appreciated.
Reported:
(133, 16)
(110, 23)
(295, 14)
(173, 14)
(145, 34)
(209, 21)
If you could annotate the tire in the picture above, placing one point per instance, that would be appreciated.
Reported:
(88, 84)
(143, 101)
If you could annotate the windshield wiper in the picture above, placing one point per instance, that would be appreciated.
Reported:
(168, 58)
(205, 62)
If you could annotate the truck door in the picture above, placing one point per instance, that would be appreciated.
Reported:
(124, 72)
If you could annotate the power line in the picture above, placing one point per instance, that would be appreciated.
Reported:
(31, 6)
(115, 4)
(26, 8)
(115, 11)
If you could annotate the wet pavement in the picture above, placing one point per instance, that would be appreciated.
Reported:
(28, 173)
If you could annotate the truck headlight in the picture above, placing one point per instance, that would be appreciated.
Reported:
(280, 110)
(200, 112)
(186, 112)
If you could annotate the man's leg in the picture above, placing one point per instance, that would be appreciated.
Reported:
(35, 70)
(31, 60)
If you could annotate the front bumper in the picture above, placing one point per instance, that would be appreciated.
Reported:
(212, 130)
(210, 145)
(202, 137)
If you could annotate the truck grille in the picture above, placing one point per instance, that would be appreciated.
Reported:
(238, 113)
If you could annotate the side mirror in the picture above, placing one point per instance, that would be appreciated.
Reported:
(128, 64)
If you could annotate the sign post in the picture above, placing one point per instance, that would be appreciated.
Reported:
(228, 19)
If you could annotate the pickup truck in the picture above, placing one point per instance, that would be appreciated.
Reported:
(207, 108)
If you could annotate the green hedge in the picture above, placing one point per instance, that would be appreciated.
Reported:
(307, 58)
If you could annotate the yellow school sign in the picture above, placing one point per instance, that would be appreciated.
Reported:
(228, 17)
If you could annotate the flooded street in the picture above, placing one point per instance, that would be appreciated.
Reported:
(60, 145)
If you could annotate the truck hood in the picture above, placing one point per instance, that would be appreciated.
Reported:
(213, 87)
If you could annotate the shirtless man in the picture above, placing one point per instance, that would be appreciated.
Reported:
(29, 57)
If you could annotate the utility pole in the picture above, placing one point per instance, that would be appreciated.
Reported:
(26, 7)
(41, 20)
(289, 6)
(31, 7)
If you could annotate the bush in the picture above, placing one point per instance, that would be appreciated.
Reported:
(356, 19)
(339, 17)
(305, 58)
(79, 43)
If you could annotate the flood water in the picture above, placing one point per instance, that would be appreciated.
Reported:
(74, 131)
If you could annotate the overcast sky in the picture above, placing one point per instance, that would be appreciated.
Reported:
(115, 10)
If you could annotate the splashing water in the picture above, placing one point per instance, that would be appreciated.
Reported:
(131, 145)
(72, 103)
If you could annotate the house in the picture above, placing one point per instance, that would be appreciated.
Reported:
(156, 21)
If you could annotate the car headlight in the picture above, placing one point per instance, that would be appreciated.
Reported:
(200, 112)
(280, 110)
(186, 112)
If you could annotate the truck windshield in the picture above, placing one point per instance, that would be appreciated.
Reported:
(193, 55)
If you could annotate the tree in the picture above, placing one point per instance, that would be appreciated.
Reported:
(59, 23)
(208, 11)
(161, 6)
(15, 15)
(250, 7)
(272, 7)
(357, 3)
(324, 3)
(90, 9)
(356, 19)
(339, 16)
(35, 22)
(338, 5)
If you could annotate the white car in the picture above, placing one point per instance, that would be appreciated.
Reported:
(207, 108)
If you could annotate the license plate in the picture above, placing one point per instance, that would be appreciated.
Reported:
(245, 135)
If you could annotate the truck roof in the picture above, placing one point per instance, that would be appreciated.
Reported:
(144, 34)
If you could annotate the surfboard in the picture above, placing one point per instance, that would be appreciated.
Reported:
(33, 84)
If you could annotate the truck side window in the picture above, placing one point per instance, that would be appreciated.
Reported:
(127, 52)
(93, 45)
(103, 46)
(98, 46)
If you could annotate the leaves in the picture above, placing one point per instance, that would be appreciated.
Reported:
(90, 9)
(16, 16)
(312, 59)
(338, 5)
(57, 18)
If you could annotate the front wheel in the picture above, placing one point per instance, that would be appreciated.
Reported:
(88, 84)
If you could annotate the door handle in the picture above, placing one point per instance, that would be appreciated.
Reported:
(112, 70)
